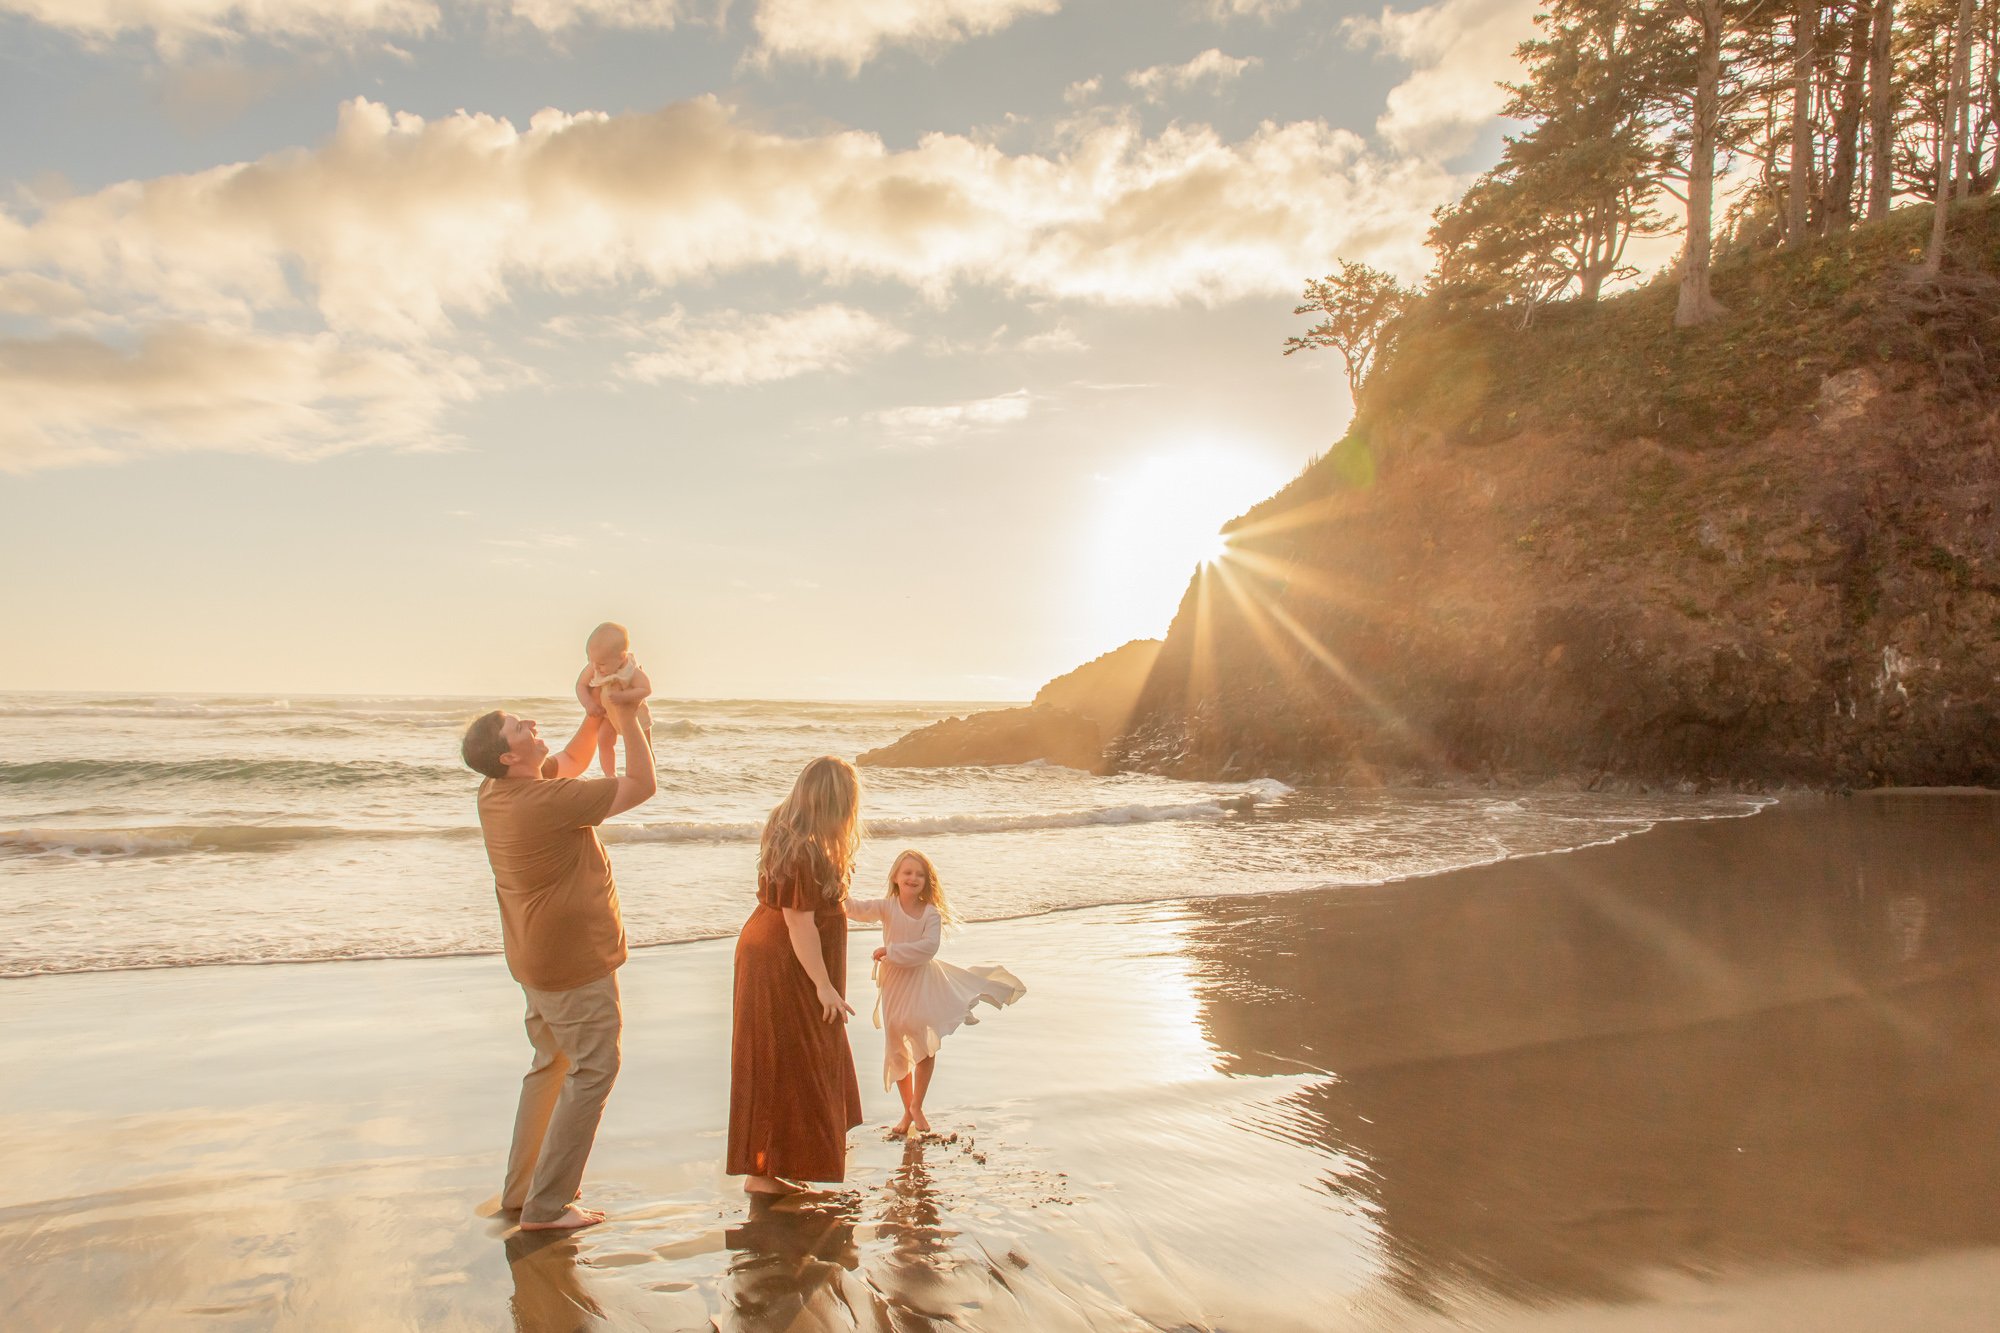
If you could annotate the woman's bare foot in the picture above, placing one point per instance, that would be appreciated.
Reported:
(569, 1219)
(901, 1127)
(769, 1185)
(917, 1119)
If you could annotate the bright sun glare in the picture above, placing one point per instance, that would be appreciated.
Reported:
(1160, 519)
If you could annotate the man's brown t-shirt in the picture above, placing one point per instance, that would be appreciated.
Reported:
(558, 904)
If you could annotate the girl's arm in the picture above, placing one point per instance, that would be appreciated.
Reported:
(862, 909)
(587, 696)
(916, 952)
(805, 947)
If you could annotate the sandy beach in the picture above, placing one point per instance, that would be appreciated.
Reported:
(1735, 1074)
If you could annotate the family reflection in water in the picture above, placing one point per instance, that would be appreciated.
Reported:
(806, 1261)
(797, 1264)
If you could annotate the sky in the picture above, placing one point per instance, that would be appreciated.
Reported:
(841, 349)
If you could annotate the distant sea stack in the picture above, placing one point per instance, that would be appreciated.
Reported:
(1070, 722)
(1765, 551)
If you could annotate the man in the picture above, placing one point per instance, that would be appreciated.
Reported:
(564, 940)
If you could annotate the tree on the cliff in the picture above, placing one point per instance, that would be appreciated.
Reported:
(1555, 216)
(1790, 118)
(1952, 146)
(1592, 157)
(1881, 105)
(1500, 245)
(1359, 307)
(1697, 112)
(1799, 176)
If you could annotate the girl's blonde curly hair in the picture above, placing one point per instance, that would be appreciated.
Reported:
(933, 892)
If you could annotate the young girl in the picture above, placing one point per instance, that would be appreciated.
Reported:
(920, 1001)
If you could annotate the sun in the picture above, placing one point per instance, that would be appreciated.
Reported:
(1158, 520)
(1217, 549)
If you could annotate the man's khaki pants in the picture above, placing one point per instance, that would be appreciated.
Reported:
(575, 1033)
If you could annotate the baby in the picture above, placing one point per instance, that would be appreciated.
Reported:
(612, 673)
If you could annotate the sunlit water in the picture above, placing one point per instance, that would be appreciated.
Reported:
(159, 832)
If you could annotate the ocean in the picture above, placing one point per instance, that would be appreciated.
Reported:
(149, 831)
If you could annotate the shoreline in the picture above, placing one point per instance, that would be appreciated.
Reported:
(1413, 877)
(1725, 1071)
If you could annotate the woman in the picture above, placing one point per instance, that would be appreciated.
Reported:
(792, 1091)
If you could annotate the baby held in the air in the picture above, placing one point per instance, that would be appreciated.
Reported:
(612, 673)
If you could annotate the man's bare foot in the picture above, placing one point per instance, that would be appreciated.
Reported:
(769, 1185)
(569, 1219)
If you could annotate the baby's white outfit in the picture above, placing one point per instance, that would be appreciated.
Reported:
(622, 677)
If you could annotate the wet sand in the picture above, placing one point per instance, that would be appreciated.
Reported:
(1734, 1075)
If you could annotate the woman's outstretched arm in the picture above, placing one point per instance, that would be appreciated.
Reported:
(804, 934)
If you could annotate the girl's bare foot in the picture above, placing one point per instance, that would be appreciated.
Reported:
(569, 1219)
(769, 1185)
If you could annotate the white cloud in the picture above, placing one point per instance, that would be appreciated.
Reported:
(398, 225)
(70, 400)
(1084, 91)
(929, 423)
(1224, 10)
(45, 298)
(729, 347)
(175, 25)
(852, 32)
(1458, 50)
(1061, 338)
(1210, 67)
(556, 15)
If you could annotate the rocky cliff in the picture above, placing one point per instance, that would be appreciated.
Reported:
(1761, 552)
(1070, 721)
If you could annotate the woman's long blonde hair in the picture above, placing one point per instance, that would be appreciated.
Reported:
(933, 886)
(817, 828)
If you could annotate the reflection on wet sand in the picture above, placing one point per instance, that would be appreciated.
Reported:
(890, 1257)
(1772, 1042)
(789, 1264)
(549, 1293)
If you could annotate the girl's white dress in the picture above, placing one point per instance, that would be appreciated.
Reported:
(920, 1000)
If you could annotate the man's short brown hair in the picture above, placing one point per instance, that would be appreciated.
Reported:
(484, 744)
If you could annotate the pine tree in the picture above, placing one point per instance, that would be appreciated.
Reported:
(1360, 306)
(1953, 126)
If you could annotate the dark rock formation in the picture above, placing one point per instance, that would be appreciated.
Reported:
(1069, 723)
(1104, 689)
(1003, 736)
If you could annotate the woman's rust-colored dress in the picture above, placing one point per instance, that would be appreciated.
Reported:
(792, 1091)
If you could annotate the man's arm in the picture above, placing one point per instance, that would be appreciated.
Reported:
(575, 757)
(639, 781)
